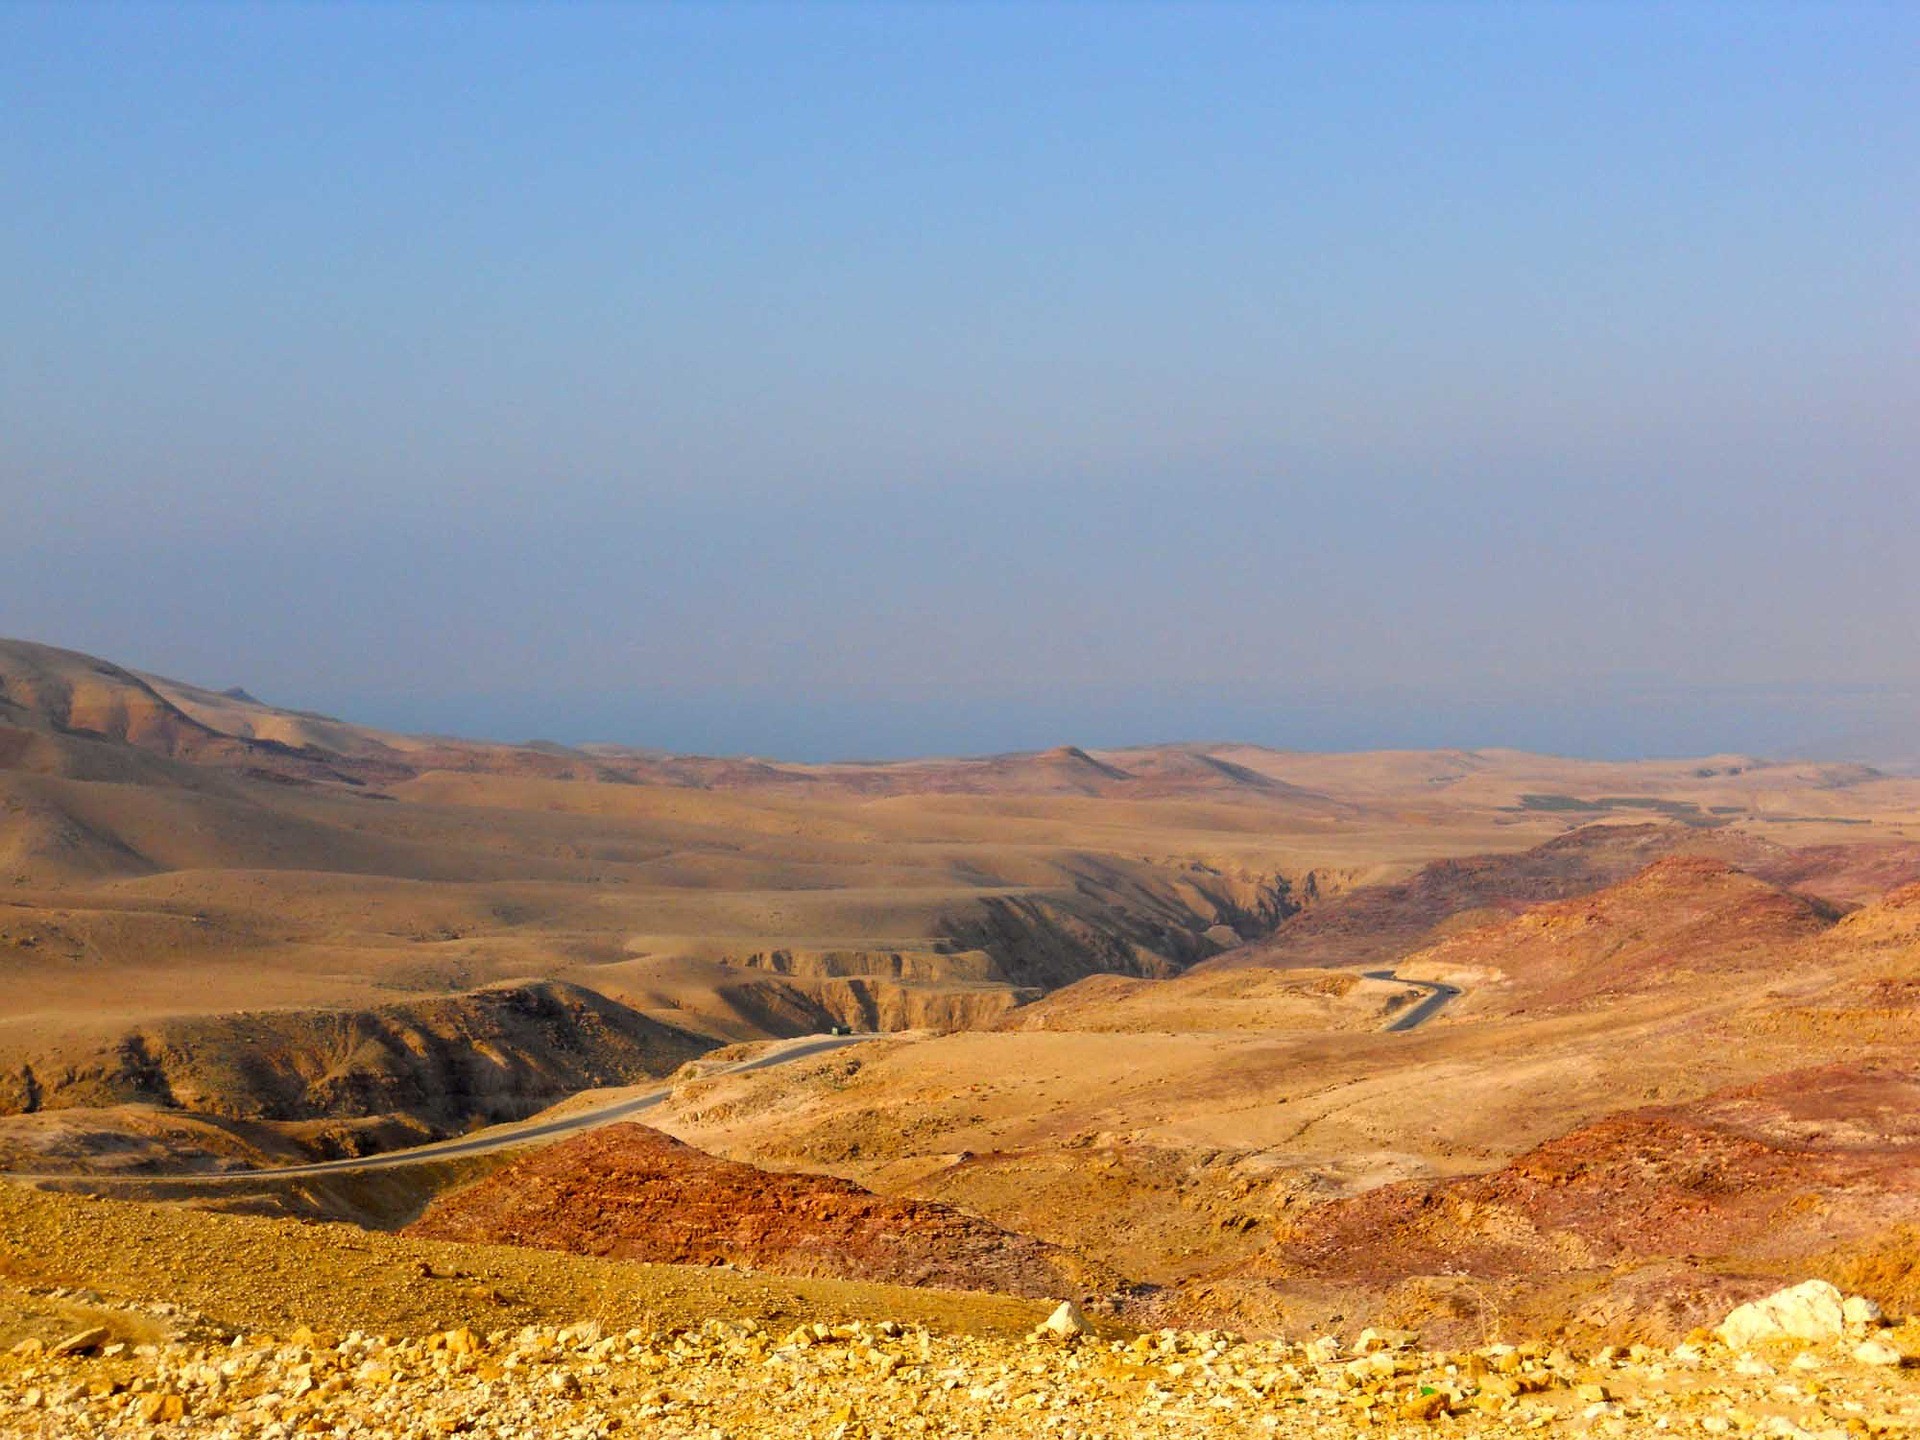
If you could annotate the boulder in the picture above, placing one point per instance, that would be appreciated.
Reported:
(1370, 1340)
(158, 1407)
(85, 1342)
(1859, 1310)
(1877, 1352)
(1812, 1312)
(1066, 1322)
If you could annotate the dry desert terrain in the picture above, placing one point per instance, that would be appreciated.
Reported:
(1209, 1039)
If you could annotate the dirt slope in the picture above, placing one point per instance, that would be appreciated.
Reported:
(253, 1272)
(1245, 1000)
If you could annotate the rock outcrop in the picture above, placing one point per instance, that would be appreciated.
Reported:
(1813, 1312)
(488, 1055)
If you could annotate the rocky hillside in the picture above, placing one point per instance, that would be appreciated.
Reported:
(632, 1193)
(1379, 923)
(436, 1066)
(1640, 1226)
(1683, 917)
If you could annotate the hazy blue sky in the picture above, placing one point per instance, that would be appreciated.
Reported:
(827, 380)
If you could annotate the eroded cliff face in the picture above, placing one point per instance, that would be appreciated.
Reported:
(1150, 925)
(436, 1066)
(908, 965)
(890, 990)
(484, 1056)
(1002, 951)
(879, 1005)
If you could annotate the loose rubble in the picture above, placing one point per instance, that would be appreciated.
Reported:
(738, 1378)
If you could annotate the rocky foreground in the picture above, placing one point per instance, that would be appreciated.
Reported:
(1805, 1363)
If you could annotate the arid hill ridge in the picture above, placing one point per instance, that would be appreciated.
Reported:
(65, 696)
(1141, 1005)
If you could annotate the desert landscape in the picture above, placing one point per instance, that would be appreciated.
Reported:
(1483, 1047)
(866, 721)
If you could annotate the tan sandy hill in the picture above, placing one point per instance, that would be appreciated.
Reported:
(53, 695)
(1208, 1001)
(64, 692)
(59, 707)
(255, 1272)
(631, 1193)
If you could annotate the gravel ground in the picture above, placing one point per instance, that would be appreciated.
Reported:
(734, 1378)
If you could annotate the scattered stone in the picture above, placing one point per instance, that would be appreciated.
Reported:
(83, 1342)
(159, 1406)
(1426, 1405)
(1370, 1340)
(1877, 1352)
(864, 1380)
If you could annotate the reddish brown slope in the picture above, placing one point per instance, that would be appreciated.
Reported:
(1377, 924)
(1676, 1207)
(1684, 916)
(636, 1194)
(1844, 874)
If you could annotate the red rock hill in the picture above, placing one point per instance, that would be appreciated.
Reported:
(633, 1193)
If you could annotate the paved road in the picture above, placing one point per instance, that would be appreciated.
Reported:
(498, 1137)
(501, 1137)
(1437, 997)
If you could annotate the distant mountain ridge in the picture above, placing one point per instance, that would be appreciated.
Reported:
(70, 695)
(65, 712)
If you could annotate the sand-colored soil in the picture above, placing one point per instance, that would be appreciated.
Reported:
(230, 933)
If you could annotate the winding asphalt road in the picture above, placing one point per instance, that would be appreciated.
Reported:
(1437, 997)
(501, 1137)
(497, 1137)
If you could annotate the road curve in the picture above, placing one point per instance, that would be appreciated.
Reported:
(1437, 997)
(497, 1137)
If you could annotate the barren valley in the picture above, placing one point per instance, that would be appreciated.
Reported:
(1121, 1027)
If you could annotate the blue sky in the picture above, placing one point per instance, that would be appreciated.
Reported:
(860, 380)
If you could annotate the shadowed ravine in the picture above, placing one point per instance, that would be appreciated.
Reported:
(495, 1138)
